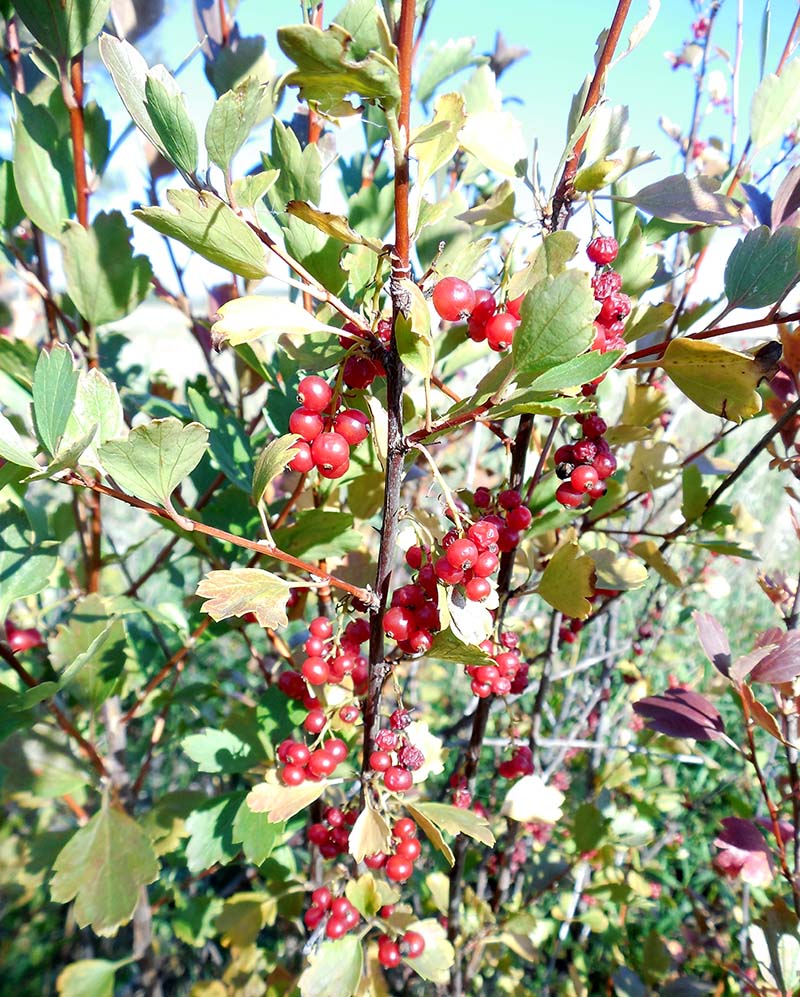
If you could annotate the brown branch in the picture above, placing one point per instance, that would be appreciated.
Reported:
(564, 192)
(260, 547)
(63, 722)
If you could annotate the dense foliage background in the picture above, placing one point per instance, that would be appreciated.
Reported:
(398, 517)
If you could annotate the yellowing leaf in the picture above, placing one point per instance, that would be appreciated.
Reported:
(568, 580)
(282, 802)
(530, 799)
(254, 315)
(432, 833)
(438, 956)
(496, 139)
(334, 969)
(432, 155)
(716, 379)
(370, 834)
(245, 590)
(368, 894)
(454, 820)
(617, 571)
(643, 404)
(648, 551)
(430, 745)
(652, 466)
(336, 226)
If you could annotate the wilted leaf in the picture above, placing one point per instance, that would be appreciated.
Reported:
(714, 640)
(239, 591)
(282, 802)
(744, 853)
(681, 713)
(616, 571)
(530, 799)
(88, 870)
(336, 226)
(432, 833)
(716, 379)
(568, 580)
(370, 834)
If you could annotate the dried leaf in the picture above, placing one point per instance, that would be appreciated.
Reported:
(240, 591)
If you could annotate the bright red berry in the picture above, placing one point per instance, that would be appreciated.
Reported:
(519, 518)
(398, 869)
(404, 827)
(567, 496)
(412, 944)
(452, 298)
(486, 564)
(615, 308)
(337, 749)
(484, 306)
(292, 775)
(306, 424)
(584, 478)
(321, 763)
(336, 927)
(399, 623)
(477, 589)
(302, 460)
(397, 780)
(388, 952)
(462, 554)
(359, 372)
(330, 450)
(603, 249)
(315, 671)
(409, 848)
(314, 393)
(500, 331)
(352, 425)
(321, 897)
(380, 761)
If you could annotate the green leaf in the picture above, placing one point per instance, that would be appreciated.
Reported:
(97, 405)
(13, 447)
(155, 458)
(579, 370)
(210, 829)
(368, 895)
(166, 106)
(88, 978)
(97, 134)
(635, 263)
(454, 820)
(444, 61)
(548, 260)
(241, 591)
(220, 751)
(716, 379)
(497, 209)
(328, 70)
(334, 970)
(89, 650)
(680, 198)
(588, 828)
(207, 225)
(413, 330)
(447, 647)
(11, 210)
(63, 27)
(232, 118)
(319, 533)
(104, 279)
(233, 64)
(230, 446)
(567, 583)
(257, 835)
(247, 318)
(299, 169)
(271, 462)
(250, 191)
(556, 323)
(42, 167)
(88, 870)
(55, 384)
(762, 267)
(25, 565)
(336, 226)
(776, 105)
(695, 494)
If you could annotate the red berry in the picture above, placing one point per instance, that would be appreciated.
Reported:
(484, 306)
(603, 249)
(330, 450)
(400, 719)
(409, 848)
(314, 393)
(427, 616)
(397, 780)
(482, 498)
(447, 572)
(292, 775)
(337, 749)
(315, 671)
(412, 944)
(340, 907)
(352, 425)
(302, 460)
(519, 518)
(380, 761)
(606, 283)
(477, 589)
(615, 307)
(584, 478)
(585, 451)
(306, 424)
(358, 372)
(605, 464)
(411, 758)
(388, 952)
(321, 763)
(594, 427)
(292, 685)
(312, 917)
(318, 834)
(321, 897)
(509, 499)
(399, 623)
(567, 496)
(376, 861)
(387, 740)
(452, 298)
(500, 331)
(349, 713)
(404, 827)
(314, 723)
(486, 564)
(297, 753)
(321, 627)
(483, 534)
(333, 815)
(462, 554)
(420, 640)
(398, 869)
(414, 558)
(509, 540)
(564, 455)
(336, 927)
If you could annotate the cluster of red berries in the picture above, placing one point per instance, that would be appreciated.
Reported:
(454, 300)
(342, 915)
(360, 369)
(22, 640)
(301, 762)
(326, 434)
(394, 755)
(330, 660)
(411, 945)
(615, 306)
(583, 466)
(399, 866)
(332, 834)
(506, 674)
(520, 763)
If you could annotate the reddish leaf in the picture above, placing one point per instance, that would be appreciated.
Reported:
(744, 853)
(714, 640)
(681, 713)
(781, 664)
(743, 665)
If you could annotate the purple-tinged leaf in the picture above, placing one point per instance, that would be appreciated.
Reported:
(681, 713)
(782, 664)
(786, 207)
(714, 641)
(742, 667)
(744, 852)
(768, 637)
(785, 829)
